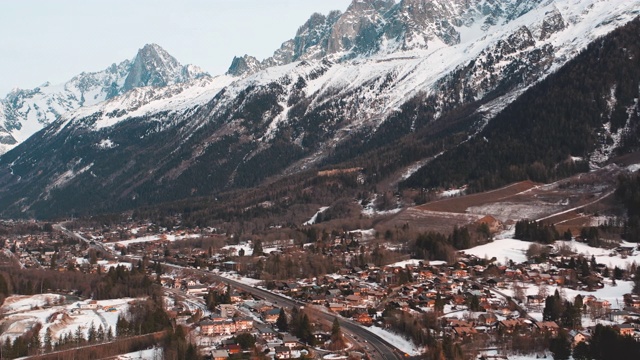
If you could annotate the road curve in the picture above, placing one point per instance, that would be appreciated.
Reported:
(379, 348)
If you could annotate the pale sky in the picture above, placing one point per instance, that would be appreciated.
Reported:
(54, 40)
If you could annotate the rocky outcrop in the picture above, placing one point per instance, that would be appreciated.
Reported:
(244, 65)
(552, 23)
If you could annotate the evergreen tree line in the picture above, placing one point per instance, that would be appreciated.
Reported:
(300, 326)
(536, 231)
(563, 312)
(144, 317)
(606, 343)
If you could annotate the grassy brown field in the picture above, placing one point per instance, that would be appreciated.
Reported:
(570, 203)
(462, 203)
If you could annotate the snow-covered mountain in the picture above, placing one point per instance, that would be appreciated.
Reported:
(24, 112)
(346, 82)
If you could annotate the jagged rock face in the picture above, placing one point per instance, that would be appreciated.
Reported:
(244, 65)
(415, 23)
(371, 26)
(553, 22)
(358, 26)
(311, 39)
(24, 112)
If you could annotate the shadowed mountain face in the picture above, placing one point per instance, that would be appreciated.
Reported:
(347, 85)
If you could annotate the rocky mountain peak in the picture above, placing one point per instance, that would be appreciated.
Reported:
(25, 111)
(244, 65)
(152, 66)
(358, 27)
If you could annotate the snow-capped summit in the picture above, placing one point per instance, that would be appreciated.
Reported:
(153, 66)
(346, 84)
(25, 111)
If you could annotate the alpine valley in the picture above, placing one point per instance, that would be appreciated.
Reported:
(495, 91)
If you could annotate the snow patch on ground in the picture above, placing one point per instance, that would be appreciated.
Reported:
(150, 238)
(453, 192)
(416, 262)
(395, 340)
(315, 216)
(106, 144)
(149, 354)
(504, 249)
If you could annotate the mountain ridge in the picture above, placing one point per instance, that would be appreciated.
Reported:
(25, 111)
(240, 130)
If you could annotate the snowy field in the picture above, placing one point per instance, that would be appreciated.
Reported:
(505, 248)
(24, 312)
(150, 238)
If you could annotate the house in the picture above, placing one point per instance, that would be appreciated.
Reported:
(364, 319)
(487, 319)
(91, 305)
(463, 331)
(535, 300)
(453, 322)
(283, 352)
(632, 300)
(219, 355)
(620, 316)
(233, 349)
(509, 325)
(337, 307)
(271, 316)
(626, 329)
(290, 341)
(548, 326)
(227, 310)
(197, 289)
(266, 332)
(492, 223)
(577, 337)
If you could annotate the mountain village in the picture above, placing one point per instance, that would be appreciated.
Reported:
(478, 302)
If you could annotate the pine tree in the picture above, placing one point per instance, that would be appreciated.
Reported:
(282, 323)
(48, 345)
(100, 335)
(305, 333)
(78, 337)
(560, 346)
(91, 334)
(257, 248)
(336, 331)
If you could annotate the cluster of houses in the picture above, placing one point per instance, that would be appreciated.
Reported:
(229, 321)
(361, 292)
